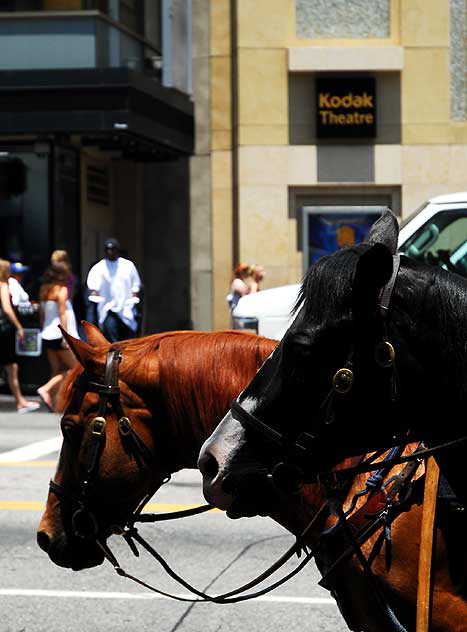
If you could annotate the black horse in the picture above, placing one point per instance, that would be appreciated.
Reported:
(376, 356)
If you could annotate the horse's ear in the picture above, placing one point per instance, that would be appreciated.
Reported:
(373, 271)
(385, 231)
(94, 335)
(81, 350)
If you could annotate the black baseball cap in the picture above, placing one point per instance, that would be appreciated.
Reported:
(111, 243)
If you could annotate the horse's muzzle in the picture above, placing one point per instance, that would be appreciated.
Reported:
(76, 554)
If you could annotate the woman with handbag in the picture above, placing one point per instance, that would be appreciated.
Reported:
(9, 323)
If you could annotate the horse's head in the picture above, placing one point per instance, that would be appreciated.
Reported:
(107, 462)
(328, 390)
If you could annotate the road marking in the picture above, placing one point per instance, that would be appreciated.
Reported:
(32, 505)
(82, 594)
(28, 463)
(19, 504)
(33, 450)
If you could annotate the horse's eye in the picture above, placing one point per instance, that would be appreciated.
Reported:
(300, 343)
(70, 429)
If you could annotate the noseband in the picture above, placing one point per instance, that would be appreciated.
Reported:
(84, 522)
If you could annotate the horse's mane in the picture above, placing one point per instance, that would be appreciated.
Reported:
(65, 393)
(199, 372)
(327, 281)
(445, 312)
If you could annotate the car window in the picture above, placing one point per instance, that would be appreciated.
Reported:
(441, 241)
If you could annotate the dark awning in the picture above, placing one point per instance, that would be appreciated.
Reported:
(114, 108)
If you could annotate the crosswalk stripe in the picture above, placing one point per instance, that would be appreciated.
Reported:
(33, 505)
(32, 450)
(49, 463)
(82, 594)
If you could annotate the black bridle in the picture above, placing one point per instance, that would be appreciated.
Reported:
(290, 473)
(84, 522)
(294, 470)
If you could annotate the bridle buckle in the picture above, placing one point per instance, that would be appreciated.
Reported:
(98, 426)
(385, 354)
(124, 425)
(342, 382)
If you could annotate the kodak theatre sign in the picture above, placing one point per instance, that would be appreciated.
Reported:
(346, 107)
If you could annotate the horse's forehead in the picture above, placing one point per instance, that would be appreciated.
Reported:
(82, 403)
(327, 297)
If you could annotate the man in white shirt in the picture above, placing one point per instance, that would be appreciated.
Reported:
(114, 284)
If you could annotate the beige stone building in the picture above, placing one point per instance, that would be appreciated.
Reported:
(281, 133)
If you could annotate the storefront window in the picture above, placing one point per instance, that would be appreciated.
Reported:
(343, 18)
(55, 5)
(24, 210)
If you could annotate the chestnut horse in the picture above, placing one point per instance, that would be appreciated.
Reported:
(173, 387)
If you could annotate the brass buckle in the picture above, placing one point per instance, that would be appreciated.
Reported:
(342, 381)
(385, 354)
(124, 425)
(98, 426)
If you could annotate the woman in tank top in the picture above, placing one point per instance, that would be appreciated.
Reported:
(56, 309)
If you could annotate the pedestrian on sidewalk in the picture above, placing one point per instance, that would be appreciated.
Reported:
(239, 285)
(114, 284)
(9, 327)
(258, 273)
(62, 256)
(55, 309)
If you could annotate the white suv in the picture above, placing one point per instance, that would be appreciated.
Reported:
(436, 234)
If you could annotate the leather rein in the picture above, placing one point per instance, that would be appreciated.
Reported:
(85, 524)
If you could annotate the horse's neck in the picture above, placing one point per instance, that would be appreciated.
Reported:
(194, 416)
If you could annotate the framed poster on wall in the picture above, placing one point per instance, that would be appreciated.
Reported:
(329, 228)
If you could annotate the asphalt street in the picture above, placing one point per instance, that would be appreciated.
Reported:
(210, 551)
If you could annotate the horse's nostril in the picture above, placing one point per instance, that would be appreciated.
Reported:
(43, 540)
(208, 465)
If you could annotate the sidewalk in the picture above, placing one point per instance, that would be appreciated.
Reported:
(7, 404)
